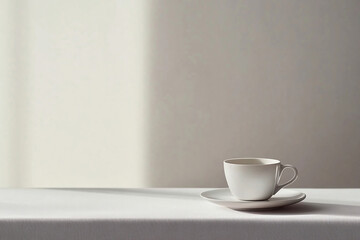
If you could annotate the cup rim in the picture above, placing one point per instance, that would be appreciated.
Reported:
(269, 161)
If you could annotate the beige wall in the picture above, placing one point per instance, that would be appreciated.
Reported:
(75, 94)
(158, 93)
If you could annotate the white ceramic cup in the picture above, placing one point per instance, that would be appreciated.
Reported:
(255, 178)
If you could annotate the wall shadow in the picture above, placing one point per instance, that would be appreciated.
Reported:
(249, 78)
(185, 81)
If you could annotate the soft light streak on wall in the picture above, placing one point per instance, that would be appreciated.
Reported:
(82, 115)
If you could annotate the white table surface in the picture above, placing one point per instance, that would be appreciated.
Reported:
(177, 213)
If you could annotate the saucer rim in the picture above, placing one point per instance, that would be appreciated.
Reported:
(300, 198)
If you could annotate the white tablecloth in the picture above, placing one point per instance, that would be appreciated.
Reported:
(87, 214)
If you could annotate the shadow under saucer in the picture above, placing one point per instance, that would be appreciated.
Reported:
(305, 208)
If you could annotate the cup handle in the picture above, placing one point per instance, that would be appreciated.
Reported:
(282, 168)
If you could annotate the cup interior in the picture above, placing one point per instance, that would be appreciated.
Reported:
(251, 161)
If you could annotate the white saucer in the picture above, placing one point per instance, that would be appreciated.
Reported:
(223, 197)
